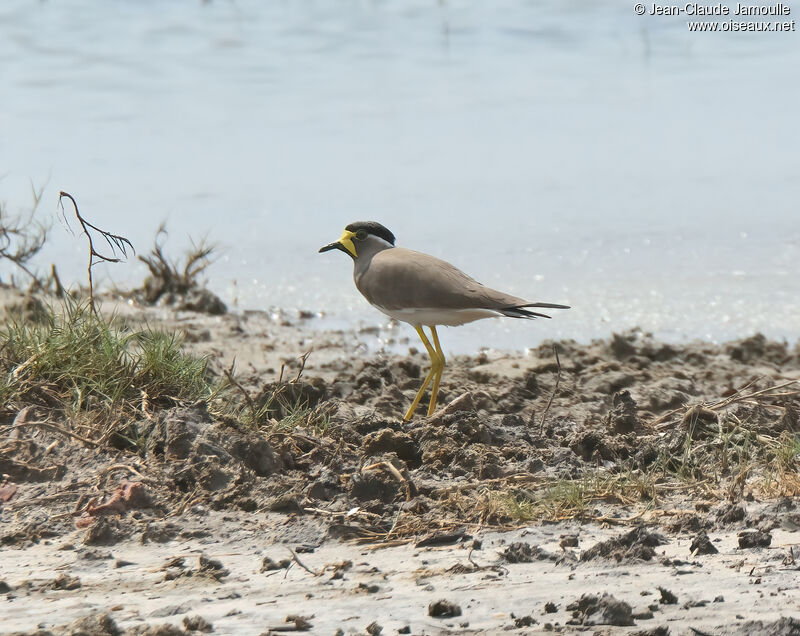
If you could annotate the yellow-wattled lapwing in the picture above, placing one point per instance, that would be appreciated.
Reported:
(422, 290)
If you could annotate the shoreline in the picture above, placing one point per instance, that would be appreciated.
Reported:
(671, 443)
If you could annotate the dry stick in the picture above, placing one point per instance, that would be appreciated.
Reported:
(411, 489)
(58, 287)
(230, 377)
(114, 467)
(656, 423)
(114, 241)
(736, 397)
(58, 429)
(301, 564)
(302, 359)
(553, 394)
(764, 392)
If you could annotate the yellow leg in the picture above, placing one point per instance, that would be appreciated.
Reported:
(434, 356)
(438, 365)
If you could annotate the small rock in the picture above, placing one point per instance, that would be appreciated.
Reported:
(159, 532)
(105, 531)
(639, 543)
(95, 625)
(197, 624)
(641, 613)
(464, 403)
(268, 564)
(732, 514)
(170, 610)
(212, 567)
(64, 582)
(373, 629)
(301, 623)
(701, 544)
(521, 552)
(95, 555)
(754, 539)
(525, 621)
(609, 383)
(667, 597)
(622, 417)
(591, 609)
(443, 609)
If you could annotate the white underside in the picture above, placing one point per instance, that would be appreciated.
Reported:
(448, 317)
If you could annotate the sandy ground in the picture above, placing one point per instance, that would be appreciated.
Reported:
(185, 525)
(394, 586)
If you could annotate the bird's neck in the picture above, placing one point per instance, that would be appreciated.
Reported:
(365, 256)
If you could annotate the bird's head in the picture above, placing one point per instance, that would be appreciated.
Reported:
(360, 237)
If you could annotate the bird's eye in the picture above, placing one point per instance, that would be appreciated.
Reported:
(361, 235)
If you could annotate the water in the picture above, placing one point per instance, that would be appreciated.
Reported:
(562, 151)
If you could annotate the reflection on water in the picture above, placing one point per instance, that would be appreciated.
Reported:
(563, 151)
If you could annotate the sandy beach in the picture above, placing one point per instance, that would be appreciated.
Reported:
(202, 416)
(631, 487)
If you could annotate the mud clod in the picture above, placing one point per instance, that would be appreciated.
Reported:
(212, 567)
(94, 625)
(524, 621)
(444, 609)
(389, 441)
(591, 609)
(667, 597)
(521, 552)
(268, 564)
(701, 544)
(784, 626)
(159, 532)
(754, 539)
(107, 531)
(638, 544)
(197, 624)
(63, 582)
(732, 513)
(622, 417)
(373, 629)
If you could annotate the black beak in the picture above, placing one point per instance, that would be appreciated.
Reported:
(332, 246)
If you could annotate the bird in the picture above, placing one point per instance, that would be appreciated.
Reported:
(422, 290)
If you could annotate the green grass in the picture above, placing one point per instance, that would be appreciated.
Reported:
(78, 360)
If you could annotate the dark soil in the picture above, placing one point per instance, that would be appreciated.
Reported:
(638, 431)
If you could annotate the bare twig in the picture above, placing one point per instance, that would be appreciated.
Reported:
(57, 429)
(58, 288)
(118, 244)
(553, 394)
(301, 564)
(302, 359)
(411, 489)
(229, 376)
